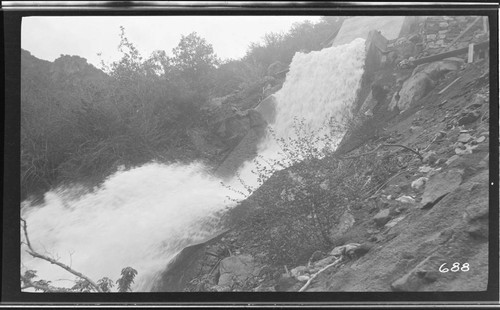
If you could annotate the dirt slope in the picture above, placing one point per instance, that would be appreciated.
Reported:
(420, 213)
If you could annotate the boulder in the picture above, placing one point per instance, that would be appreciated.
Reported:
(468, 117)
(240, 268)
(382, 217)
(464, 137)
(419, 183)
(358, 250)
(478, 102)
(465, 149)
(303, 278)
(422, 81)
(439, 185)
(298, 271)
(429, 157)
(452, 159)
(413, 89)
(393, 222)
(346, 221)
(406, 199)
(338, 251)
(477, 211)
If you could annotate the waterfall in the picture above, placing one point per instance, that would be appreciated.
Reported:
(143, 216)
(320, 86)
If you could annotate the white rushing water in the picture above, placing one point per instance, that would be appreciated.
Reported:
(319, 86)
(142, 217)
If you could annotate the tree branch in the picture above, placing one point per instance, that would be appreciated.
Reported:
(384, 145)
(317, 273)
(381, 186)
(405, 147)
(35, 254)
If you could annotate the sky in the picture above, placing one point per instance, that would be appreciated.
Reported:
(49, 37)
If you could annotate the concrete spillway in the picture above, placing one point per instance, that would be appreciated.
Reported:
(359, 27)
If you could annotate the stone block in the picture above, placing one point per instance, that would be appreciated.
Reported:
(382, 217)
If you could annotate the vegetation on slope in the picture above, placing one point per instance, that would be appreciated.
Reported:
(79, 123)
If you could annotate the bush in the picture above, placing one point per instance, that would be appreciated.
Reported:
(303, 37)
(297, 208)
(83, 127)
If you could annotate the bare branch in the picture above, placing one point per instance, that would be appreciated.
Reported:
(317, 273)
(384, 184)
(407, 148)
(35, 254)
(384, 145)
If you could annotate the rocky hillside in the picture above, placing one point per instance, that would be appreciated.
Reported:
(404, 197)
(67, 75)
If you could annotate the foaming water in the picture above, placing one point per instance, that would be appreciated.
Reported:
(320, 86)
(138, 218)
(143, 216)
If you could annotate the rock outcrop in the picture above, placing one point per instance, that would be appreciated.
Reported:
(242, 132)
(237, 269)
(187, 264)
(423, 79)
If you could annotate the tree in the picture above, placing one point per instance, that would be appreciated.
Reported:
(194, 59)
(83, 282)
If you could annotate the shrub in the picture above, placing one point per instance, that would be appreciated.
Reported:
(304, 195)
(81, 129)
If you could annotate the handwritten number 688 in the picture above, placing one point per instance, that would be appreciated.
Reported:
(455, 267)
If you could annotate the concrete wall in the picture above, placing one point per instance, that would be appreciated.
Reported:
(360, 26)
